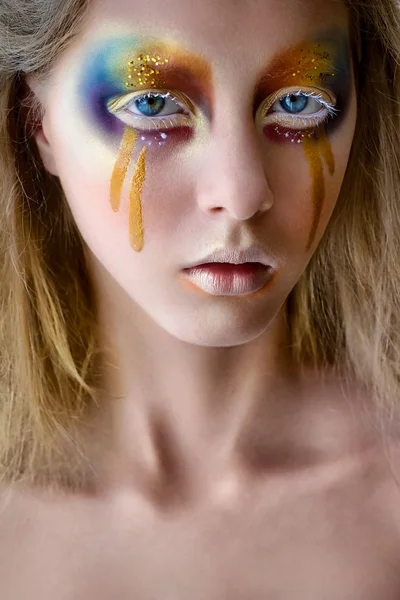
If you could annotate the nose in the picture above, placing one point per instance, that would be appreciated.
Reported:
(231, 176)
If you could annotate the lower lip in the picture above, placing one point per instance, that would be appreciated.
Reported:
(225, 279)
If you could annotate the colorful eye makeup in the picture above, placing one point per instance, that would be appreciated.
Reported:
(153, 111)
(123, 70)
(119, 93)
(307, 90)
(149, 93)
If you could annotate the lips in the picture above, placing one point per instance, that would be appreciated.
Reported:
(228, 267)
(229, 279)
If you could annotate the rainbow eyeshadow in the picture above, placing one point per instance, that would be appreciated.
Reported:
(129, 64)
(323, 62)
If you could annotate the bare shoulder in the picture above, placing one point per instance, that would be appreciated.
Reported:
(366, 441)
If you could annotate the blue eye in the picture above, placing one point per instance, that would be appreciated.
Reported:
(150, 105)
(298, 109)
(294, 103)
(152, 110)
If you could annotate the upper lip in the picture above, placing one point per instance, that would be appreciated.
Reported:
(235, 256)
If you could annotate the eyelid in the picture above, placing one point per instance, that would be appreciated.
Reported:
(316, 93)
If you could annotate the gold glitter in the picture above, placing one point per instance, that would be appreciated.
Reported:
(121, 167)
(135, 205)
(145, 69)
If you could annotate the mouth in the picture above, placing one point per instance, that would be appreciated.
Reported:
(227, 279)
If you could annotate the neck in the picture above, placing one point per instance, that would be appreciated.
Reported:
(177, 414)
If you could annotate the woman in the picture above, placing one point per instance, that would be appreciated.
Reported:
(199, 301)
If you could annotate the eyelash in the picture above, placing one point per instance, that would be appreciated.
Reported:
(289, 120)
(119, 106)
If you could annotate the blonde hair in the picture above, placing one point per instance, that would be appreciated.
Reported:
(343, 313)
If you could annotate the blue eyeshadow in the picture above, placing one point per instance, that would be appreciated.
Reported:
(99, 84)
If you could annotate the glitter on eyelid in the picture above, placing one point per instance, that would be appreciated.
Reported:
(307, 64)
(135, 203)
(142, 70)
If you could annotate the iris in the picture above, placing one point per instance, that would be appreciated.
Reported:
(150, 105)
(294, 103)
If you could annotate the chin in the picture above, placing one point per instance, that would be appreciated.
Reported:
(218, 328)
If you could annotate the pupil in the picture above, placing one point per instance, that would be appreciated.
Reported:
(150, 105)
(294, 103)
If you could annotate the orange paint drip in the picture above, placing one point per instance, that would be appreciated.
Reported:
(311, 151)
(121, 167)
(326, 150)
(135, 203)
(314, 147)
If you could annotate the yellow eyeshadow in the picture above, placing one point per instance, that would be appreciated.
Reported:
(305, 64)
(313, 63)
(143, 71)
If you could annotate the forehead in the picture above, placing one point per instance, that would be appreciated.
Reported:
(222, 31)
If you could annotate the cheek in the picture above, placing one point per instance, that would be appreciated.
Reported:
(92, 166)
(305, 172)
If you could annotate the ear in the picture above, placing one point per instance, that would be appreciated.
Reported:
(37, 127)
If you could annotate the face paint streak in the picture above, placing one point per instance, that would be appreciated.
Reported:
(311, 151)
(135, 204)
(121, 167)
(313, 147)
(326, 149)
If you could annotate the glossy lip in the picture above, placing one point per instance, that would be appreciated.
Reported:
(235, 256)
(229, 280)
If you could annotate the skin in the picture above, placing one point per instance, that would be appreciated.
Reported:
(220, 471)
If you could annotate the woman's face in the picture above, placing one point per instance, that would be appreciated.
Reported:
(180, 128)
